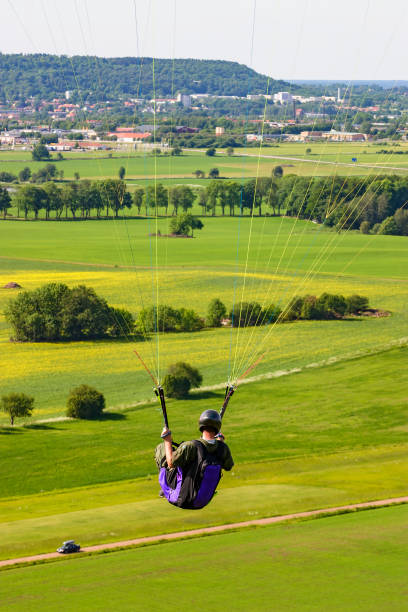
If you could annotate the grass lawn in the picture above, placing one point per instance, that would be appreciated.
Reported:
(348, 562)
(322, 437)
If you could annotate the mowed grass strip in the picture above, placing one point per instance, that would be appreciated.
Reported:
(348, 562)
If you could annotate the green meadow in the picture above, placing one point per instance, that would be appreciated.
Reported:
(323, 437)
(245, 163)
(132, 269)
(349, 562)
(313, 435)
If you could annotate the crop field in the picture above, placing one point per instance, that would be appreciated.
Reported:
(285, 258)
(335, 563)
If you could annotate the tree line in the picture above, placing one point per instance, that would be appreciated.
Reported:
(54, 312)
(376, 206)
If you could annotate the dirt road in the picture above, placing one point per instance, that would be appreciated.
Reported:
(211, 530)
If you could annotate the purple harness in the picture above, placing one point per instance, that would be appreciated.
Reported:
(194, 486)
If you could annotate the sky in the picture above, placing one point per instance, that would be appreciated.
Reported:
(286, 39)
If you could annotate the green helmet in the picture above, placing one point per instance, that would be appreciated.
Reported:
(210, 418)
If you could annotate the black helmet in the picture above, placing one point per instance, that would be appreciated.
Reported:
(210, 418)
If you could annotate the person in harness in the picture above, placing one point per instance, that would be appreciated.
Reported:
(190, 472)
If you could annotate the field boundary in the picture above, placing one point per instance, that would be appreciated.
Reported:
(207, 531)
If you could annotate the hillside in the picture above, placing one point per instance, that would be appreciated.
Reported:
(49, 76)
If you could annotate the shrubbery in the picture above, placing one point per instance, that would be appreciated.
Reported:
(327, 306)
(180, 378)
(85, 402)
(56, 312)
(168, 319)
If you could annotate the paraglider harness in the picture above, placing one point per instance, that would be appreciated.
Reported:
(194, 486)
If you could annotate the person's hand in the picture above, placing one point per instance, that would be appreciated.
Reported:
(220, 436)
(165, 433)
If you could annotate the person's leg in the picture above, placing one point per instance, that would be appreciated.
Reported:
(160, 456)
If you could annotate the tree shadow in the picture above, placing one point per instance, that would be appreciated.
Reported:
(112, 416)
(39, 426)
(205, 395)
(5, 431)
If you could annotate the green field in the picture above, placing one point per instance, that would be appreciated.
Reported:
(324, 437)
(350, 562)
(285, 258)
(243, 164)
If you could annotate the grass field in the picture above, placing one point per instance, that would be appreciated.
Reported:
(320, 438)
(115, 259)
(349, 562)
(243, 164)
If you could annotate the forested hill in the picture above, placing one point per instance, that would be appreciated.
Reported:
(49, 76)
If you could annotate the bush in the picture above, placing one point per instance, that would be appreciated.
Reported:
(176, 386)
(245, 314)
(388, 227)
(356, 304)
(180, 378)
(181, 368)
(85, 403)
(7, 177)
(365, 227)
(216, 312)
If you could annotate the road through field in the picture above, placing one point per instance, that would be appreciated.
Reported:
(212, 530)
(311, 161)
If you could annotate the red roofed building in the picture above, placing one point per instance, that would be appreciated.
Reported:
(130, 136)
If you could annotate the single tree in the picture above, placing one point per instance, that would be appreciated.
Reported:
(176, 151)
(24, 175)
(122, 172)
(214, 173)
(5, 200)
(216, 313)
(230, 151)
(76, 176)
(138, 195)
(40, 152)
(277, 172)
(85, 402)
(211, 152)
(17, 405)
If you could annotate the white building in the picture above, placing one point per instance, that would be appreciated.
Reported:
(284, 97)
(219, 131)
(185, 99)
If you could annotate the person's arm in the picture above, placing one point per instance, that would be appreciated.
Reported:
(228, 463)
(166, 435)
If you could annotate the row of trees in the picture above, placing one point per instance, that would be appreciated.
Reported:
(99, 197)
(55, 312)
(347, 202)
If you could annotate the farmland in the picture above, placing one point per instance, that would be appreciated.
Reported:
(323, 160)
(115, 259)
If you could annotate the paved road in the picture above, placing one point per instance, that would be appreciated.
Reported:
(209, 530)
